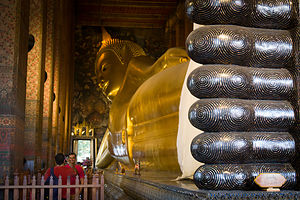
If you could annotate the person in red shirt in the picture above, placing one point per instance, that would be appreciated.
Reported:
(63, 171)
(72, 159)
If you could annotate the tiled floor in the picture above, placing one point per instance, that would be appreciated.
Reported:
(163, 186)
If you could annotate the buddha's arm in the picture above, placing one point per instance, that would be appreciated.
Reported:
(152, 120)
(170, 58)
(103, 158)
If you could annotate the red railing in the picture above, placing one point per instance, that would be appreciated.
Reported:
(34, 188)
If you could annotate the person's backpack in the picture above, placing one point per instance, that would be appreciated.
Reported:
(55, 182)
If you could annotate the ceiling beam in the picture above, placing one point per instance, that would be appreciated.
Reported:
(124, 13)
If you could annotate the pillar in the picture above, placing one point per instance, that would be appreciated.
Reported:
(13, 58)
(63, 75)
(47, 148)
(35, 86)
(56, 74)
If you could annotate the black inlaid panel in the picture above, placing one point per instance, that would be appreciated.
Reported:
(232, 81)
(238, 45)
(278, 14)
(214, 115)
(240, 176)
(243, 147)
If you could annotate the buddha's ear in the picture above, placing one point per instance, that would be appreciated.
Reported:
(105, 35)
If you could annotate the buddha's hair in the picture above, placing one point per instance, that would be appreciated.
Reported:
(116, 46)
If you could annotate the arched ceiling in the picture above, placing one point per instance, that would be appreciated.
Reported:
(124, 13)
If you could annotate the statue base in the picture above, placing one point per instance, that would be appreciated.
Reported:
(161, 186)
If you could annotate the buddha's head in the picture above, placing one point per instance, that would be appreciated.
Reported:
(111, 64)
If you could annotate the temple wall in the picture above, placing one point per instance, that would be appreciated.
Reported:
(13, 58)
(33, 139)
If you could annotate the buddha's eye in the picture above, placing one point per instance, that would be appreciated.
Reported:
(104, 68)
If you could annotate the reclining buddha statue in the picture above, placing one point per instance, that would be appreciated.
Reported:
(145, 94)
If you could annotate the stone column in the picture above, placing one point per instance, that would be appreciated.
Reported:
(35, 85)
(13, 57)
(61, 103)
(69, 75)
(61, 79)
(48, 87)
(56, 75)
(65, 85)
(63, 76)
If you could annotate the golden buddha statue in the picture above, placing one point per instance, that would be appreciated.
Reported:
(145, 95)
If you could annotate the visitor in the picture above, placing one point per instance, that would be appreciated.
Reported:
(72, 160)
(63, 171)
(137, 168)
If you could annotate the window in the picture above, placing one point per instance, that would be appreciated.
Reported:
(84, 150)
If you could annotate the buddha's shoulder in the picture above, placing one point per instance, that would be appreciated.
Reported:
(176, 52)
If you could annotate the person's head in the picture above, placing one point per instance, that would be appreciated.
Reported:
(59, 158)
(111, 64)
(72, 158)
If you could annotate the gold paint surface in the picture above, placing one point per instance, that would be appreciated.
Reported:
(152, 120)
(143, 118)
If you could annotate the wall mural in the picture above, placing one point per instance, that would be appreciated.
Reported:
(88, 102)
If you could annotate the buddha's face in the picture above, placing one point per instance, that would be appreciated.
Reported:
(110, 73)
